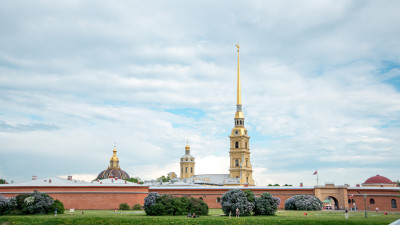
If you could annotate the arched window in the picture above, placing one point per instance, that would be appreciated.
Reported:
(236, 162)
(218, 199)
(247, 161)
(247, 180)
(349, 201)
(236, 144)
(353, 201)
(181, 169)
(240, 122)
(191, 169)
(245, 145)
(186, 169)
(372, 201)
(201, 198)
(394, 205)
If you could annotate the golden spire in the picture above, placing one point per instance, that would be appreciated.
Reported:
(239, 113)
(239, 96)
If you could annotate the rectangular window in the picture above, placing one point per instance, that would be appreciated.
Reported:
(186, 170)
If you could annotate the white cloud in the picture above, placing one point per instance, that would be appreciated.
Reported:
(317, 82)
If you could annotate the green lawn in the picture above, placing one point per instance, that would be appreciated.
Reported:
(139, 217)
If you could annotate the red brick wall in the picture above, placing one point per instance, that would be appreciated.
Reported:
(91, 197)
(382, 199)
(109, 197)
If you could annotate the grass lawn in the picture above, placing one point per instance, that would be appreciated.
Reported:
(139, 217)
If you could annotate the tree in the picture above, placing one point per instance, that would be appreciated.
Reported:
(2, 181)
(236, 198)
(303, 202)
(163, 179)
(287, 185)
(135, 180)
(266, 204)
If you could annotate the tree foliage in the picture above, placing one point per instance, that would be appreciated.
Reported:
(154, 204)
(266, 204)
(250, 195)
(135, 180)
(2, 181)
(303, 202)
(163, 179)
(236, 198)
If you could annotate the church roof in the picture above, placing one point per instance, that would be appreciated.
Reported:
(115, 173)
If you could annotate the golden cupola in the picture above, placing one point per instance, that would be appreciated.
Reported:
(114, 161)
(113, 170)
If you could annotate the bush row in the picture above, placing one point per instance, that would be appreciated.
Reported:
(154, 204)
(125, 206)
(34, 203)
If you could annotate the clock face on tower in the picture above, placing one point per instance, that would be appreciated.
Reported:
(236, 132)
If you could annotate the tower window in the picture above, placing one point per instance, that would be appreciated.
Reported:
(236, 144)
(245, 144)
(372, 201)
(240, 122)
(181, 169)
(191, 169)
(394, 205)
(247, 180)
(186, 169)
(236, 162)
(246, 162)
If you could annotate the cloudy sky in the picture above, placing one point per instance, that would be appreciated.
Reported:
(320, 80)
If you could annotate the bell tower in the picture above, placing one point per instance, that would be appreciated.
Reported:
(187, 164)
(240, 166)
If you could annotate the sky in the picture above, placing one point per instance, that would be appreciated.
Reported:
(320, 87)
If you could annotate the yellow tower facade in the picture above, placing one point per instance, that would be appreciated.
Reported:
(240, 165)
(187, 164)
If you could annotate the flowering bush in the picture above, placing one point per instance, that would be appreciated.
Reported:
(266, 204)
(154, 204)
(7, 205)
(303, 202)
(38, 203)
(236, 198)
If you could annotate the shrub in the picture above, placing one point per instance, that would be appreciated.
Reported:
(7, 205)
(250, 196)
(137, 207)
(236, 198)
(154, 204)
(37, 203)
(266, 204)
(124, 206)
(59, 205)
(150, 202)
(303, 202)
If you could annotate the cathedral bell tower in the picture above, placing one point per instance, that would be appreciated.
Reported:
(187, 164)
(240, 166)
